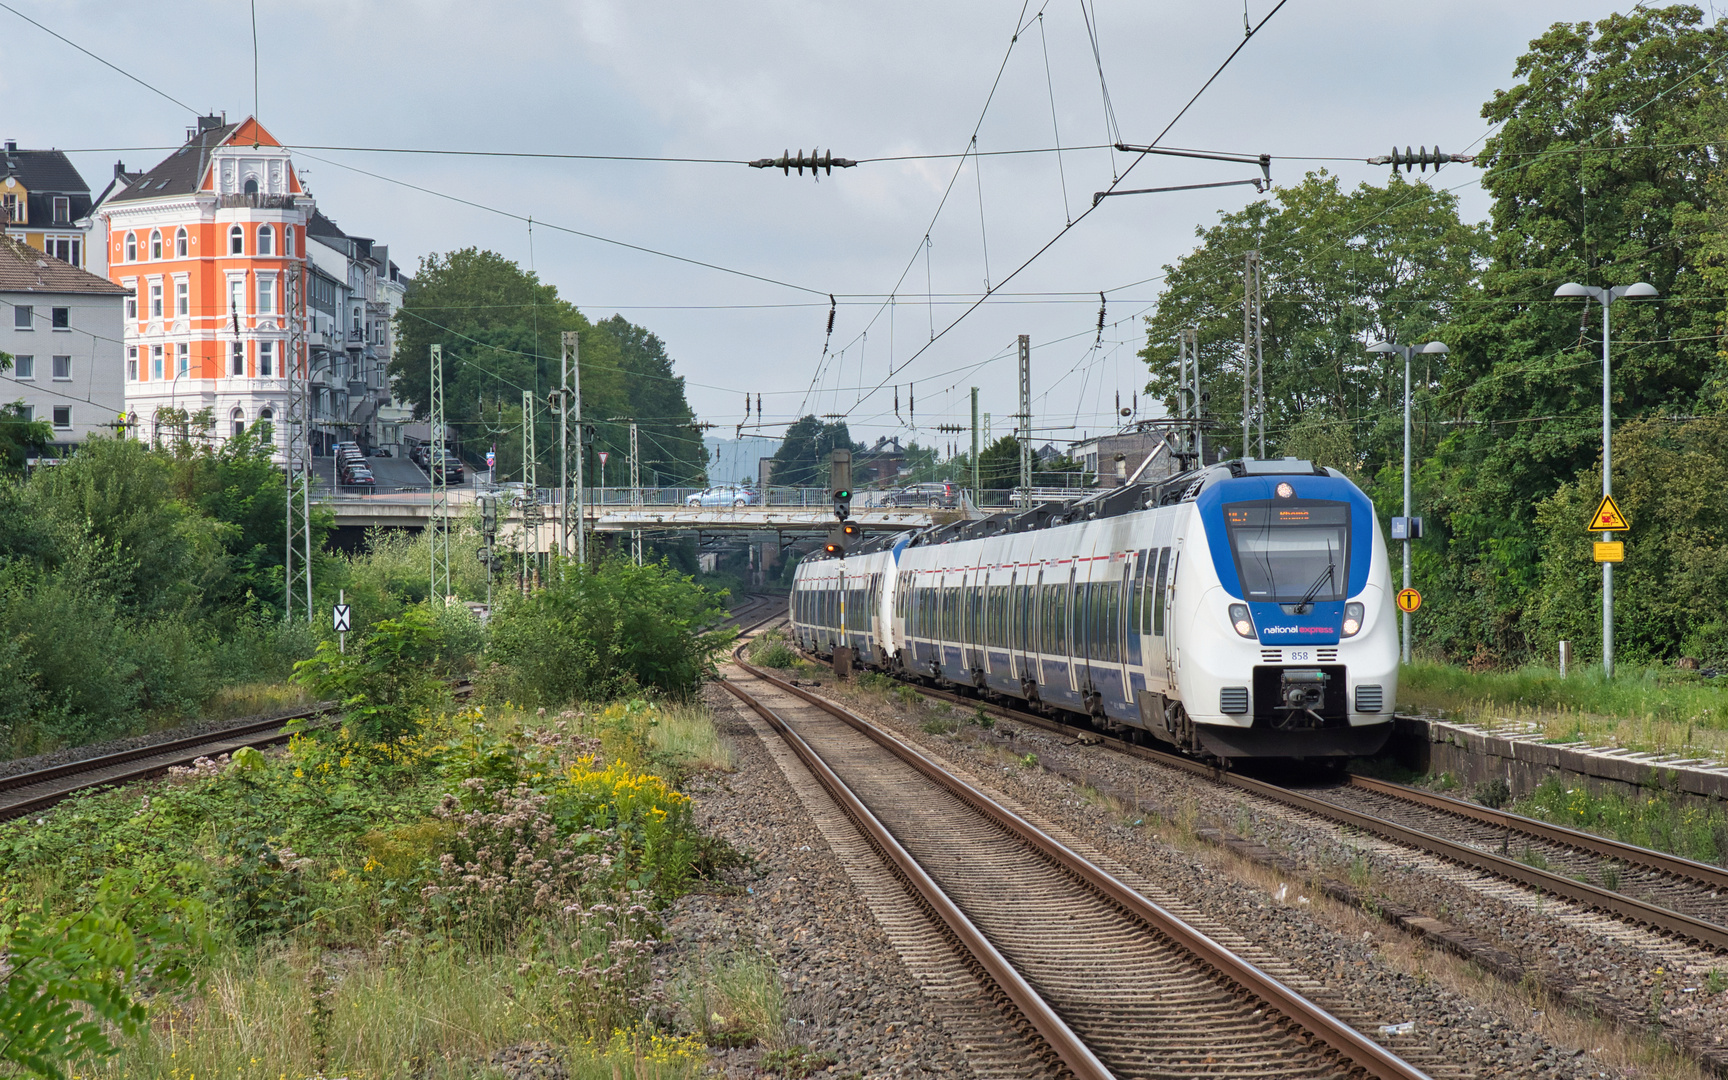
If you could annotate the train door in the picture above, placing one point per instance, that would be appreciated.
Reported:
(1017, 669)
(1121, 624)
(1172, 641)
(1154, 641)
(969, 660)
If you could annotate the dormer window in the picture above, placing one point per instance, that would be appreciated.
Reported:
(236, 241)
(251, 187)
(62, 210)
(180, 243)
(266, 240)
(155, 243)
(131, 247)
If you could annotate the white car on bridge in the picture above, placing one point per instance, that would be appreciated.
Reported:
(723, 495)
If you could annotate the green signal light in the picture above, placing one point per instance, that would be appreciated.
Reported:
(842, 494)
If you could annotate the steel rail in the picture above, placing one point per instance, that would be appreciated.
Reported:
(1648, 858)
(160, 757)
(1351, 1044)
(1620, 905)
(1063, 1042)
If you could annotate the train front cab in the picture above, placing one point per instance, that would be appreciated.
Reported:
(1292, 649)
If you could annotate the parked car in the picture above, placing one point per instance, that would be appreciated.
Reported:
(724, 495)
(359, 478)
(450, 465)
(939, 494)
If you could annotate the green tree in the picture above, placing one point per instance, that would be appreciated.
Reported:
(1603, 171)
(19, 437)
(1340, 269)
(501, 330)
(803, 457)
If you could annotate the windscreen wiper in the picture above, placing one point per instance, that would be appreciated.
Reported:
(1326, 575)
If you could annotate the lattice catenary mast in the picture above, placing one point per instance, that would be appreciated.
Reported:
(297, 551)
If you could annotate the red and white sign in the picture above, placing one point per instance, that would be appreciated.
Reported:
(604, 454)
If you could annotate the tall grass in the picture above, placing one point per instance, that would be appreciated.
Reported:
(1651, 709)
(301, 1011)
(686, 733)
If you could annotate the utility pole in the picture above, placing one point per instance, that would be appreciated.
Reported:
(1253, 362)
(573, 345)
(564, 455)
(975, 473)
(438, 514)
(1197, 441)
(1025, 425)
(530, 475)
(635, 493)
(1606, 296)
(297, 552)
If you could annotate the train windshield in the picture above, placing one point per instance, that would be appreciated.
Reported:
(1290, 552)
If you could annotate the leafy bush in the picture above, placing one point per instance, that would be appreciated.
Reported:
(771, 649)
(611, 631)
(386, 684)
(74, 981)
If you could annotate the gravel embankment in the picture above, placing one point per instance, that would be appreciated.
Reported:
(848, 996)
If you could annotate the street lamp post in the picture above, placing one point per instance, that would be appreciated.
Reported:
(1606, 295)
(1407, 351)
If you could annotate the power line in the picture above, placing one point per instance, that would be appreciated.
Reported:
(154, 90)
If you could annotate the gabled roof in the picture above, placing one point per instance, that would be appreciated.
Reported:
(46, 171)
(24, 269)
(182, 172)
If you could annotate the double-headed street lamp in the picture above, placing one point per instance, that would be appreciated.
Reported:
(1606, 295)
(1407, 351)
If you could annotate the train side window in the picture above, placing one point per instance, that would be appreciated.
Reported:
(1141, 569)
(1158, 592)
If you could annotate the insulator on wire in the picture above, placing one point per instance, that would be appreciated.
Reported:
(1422, 157)
(787, 161)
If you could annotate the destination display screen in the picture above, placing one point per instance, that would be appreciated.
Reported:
(1286, 552)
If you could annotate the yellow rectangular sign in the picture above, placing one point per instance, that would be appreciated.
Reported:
(1610, 550)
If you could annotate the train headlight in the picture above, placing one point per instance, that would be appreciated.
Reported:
(1353, 619)
(1240, 619)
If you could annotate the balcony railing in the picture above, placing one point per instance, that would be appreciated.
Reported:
(256, 201)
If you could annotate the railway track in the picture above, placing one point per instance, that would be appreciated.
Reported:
(32, 792)
(1107, 982)
(1679, 897)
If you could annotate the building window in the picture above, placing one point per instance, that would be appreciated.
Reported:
(155, 243)
(239, 423)
(27, 413)
(237, 295)
(251, 185)
(62, 416)
(23, 367)
(62, 210)
(67, 249)
(266, 240)
(9, 207)
(62, 318)
(63, 368)
(180, 243)
(266, 294)
(132, 307)
(156, 361)
(182, 298)
(266, 359)
(236, 241)
(182, 358)
(131, 247)
(21, 316)
(239, 362)
(288, 241)
(132, 363)
(155, 299)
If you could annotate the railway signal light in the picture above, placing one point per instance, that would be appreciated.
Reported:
(836, 545)
(840, 482)
(852, 531)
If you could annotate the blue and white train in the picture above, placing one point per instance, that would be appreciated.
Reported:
(1241, 610)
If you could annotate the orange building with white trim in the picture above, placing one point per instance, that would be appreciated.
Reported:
(206, 240)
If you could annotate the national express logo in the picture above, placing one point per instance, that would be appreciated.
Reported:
(1297, 629)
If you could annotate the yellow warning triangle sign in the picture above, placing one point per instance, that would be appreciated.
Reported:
(1608, 517)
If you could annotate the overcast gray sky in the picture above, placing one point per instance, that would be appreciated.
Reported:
(1346, 78)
